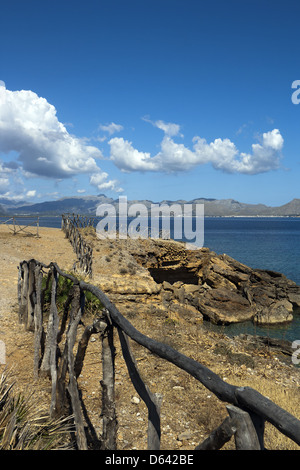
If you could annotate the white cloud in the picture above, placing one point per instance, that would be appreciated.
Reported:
(4, 184)
(127, 158)
(111, 128)
(30, 127)
(221, 153)
(6, 171)
(99, 180)
(169, 128)
(31, 193)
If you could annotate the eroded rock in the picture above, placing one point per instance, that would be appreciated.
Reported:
(199, 283)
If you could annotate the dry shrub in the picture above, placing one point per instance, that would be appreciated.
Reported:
(24, 426)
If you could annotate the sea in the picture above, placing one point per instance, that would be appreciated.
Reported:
(259, 242)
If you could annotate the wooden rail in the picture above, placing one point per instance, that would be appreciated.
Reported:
(16, 227)
(84, 252)
(54, 341)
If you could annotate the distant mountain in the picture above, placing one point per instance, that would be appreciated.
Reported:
(78, 205)
(87, 205)
(10, 203)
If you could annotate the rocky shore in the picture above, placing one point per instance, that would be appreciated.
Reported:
(195, 284)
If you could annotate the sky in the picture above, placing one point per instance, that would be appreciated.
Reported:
(150, 99)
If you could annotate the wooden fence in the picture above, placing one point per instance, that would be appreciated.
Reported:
(15, 226)
(84, 252)
(54, 341)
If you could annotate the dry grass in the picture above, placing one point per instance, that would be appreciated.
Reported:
(188, 401)
(287, 398)
(23, 423)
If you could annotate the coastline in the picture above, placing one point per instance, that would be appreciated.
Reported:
(235, 360)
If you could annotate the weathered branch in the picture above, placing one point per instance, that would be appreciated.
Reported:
(109, 419)
(98, 326)
(245, 435)
(152, 401)
(53, 320)
(76, 314)
(23, 292)
(219, 436)
(38, 320)
(262, 406)
(49, 356)
(31, 296)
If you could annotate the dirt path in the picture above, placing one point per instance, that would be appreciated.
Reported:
(51, 246)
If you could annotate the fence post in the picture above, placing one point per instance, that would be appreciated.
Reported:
(38, 319)
(219, 436)
(23, 290)
(54, 322)
(31, 296)
(109, 419)
(50, 349)
(75, 317)
(245, 435)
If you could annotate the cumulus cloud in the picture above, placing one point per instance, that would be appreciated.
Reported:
(221, 153)
(99, 180)
(6, 170)
(169, 128)
(31, 193)
(127, 158)
(111, 128)
(4, 184)
(30, 127)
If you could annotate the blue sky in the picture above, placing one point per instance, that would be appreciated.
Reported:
(152, 99)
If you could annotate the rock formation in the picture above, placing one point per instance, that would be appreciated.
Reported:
(197, 284)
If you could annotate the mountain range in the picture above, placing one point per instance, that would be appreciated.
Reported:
(87, 205)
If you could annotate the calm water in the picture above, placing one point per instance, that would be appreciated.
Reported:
(265, 243)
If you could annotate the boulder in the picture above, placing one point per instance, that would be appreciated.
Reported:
(223, 306)
(279, 311)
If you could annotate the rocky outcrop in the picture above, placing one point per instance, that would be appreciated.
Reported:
(240, 293)
(220, 288)
(171, 280)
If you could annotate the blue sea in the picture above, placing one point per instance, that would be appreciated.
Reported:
(263, 243)
(259, 242)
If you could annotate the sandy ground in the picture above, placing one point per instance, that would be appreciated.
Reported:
(189, 411)
(13, 250)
